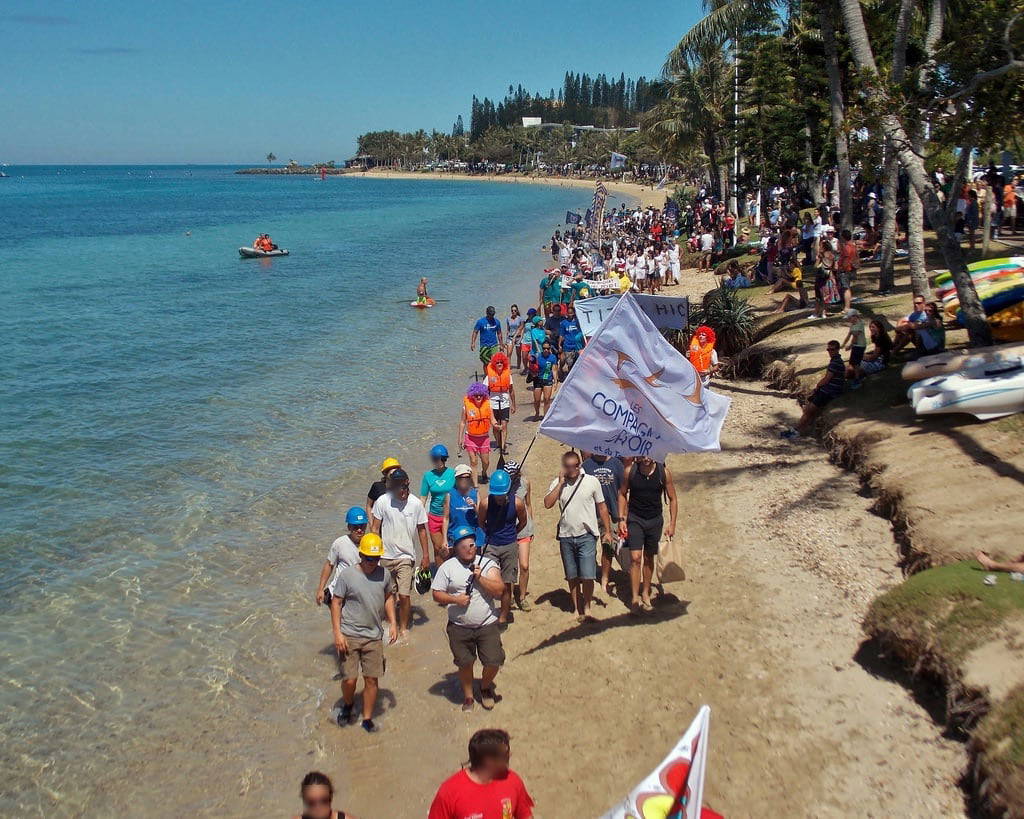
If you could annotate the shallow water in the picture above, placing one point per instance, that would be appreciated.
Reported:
(182, 430)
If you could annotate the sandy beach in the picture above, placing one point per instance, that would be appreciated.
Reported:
(643, 194)
(783, 557)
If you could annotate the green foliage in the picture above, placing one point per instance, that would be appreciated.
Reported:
(730, 315)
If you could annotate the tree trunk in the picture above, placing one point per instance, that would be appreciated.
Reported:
(827, 17)
(972, 311)
(890, 182)
(915, 244)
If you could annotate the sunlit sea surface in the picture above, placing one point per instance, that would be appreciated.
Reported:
(181, 431)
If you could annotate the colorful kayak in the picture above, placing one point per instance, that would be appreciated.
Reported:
(988, 392)
(953, 361)
(948, 290)
(422, 305)
(994, 295)
(980, 267)
(253, 253)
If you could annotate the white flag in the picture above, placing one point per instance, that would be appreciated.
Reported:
(632, 393)
(676, 787)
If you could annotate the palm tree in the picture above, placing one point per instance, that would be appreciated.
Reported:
(271, 158)
(727, 19)
(692, 117)
(896, 133)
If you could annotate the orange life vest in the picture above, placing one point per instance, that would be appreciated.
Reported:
(498, 382)
(700, 355)
(478, 418)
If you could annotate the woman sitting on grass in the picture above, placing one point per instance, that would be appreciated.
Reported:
(876, 359)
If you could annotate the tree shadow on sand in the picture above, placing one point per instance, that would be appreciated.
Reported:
(667, 607)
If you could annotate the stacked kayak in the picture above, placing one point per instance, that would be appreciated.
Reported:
(981, 278)
(253, 253)
(983, 266)
(984, 389)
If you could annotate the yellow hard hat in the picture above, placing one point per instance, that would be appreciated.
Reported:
(389, 463)
(371, 545)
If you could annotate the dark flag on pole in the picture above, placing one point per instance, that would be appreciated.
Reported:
(572, 218)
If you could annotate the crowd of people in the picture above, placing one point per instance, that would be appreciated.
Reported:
(463, 542)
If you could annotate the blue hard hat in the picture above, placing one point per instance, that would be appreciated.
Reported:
(356, 517)
(500, 482)
(439, 451)
(461, 532)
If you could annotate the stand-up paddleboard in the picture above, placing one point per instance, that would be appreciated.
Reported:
(253, 253)
(419, 305)
(953, 361)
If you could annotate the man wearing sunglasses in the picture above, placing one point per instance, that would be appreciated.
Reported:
(362, 597)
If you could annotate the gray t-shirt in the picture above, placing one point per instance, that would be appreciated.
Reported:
(453, 578)
(362, 596)
(342, 554)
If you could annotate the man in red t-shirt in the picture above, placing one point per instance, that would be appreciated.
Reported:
(488, 789)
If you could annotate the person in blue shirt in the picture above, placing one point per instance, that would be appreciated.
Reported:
(571, 341)
(489, 330)
(460, 506)
(829, 387)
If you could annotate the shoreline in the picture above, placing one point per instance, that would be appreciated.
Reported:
(644, 194)
(766, 629)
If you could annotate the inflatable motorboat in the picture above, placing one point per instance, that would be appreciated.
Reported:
(953, 361)
(253, 253)
(985, 391)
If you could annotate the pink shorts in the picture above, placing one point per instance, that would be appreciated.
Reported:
(435, 523)
(477, 443)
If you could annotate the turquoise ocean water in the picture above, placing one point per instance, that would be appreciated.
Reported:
(181, 431)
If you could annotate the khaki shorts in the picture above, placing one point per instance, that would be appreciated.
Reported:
(363, 654)
(401, 573)
(467, 644)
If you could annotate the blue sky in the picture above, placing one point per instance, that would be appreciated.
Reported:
(223, 81)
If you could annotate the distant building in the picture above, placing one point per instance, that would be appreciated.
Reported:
(363, 161)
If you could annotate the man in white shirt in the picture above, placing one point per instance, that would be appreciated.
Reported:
(580, 500)
(707, 245)
(401, 519)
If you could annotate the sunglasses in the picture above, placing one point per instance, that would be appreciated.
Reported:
(357, 526)
(323, 800)
(369, 559)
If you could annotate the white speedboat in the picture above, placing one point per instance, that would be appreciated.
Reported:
(985, 391)
(953, 361)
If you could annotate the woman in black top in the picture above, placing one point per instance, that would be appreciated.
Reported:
(317, 792)
(642, 522)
